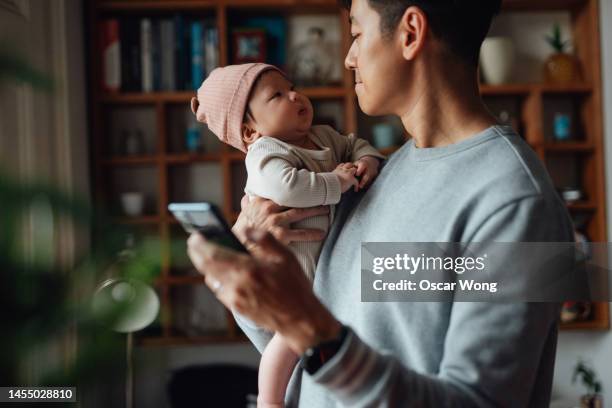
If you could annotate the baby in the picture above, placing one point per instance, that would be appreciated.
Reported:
(256, 109)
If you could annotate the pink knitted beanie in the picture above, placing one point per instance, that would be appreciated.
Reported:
(222, 100)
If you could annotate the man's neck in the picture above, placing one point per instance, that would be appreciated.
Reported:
(448, 109)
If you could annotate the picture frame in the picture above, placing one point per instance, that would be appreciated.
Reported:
(249, 45)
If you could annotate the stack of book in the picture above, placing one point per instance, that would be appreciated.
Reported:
(150, 55)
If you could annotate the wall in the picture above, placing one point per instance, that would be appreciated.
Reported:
(596, 347)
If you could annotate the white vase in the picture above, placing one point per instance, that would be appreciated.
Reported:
(133, 203)
(497, 60)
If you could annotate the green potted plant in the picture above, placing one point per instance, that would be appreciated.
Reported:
(560, 67)
(588, 377)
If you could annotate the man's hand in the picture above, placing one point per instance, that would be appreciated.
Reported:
(367, 169)
(266, 215)
(267, 287)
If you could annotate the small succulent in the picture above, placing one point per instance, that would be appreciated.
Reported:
(588, 377)
(555, 40)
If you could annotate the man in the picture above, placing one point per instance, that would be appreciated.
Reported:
(461, 178)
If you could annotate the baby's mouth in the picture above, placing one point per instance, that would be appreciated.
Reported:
(302, 111)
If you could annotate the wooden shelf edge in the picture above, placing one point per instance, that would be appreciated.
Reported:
(142, 220)
(527, 88)
(118, 5)
(569, 147)
(586, 325)
(185, 341)
(130, 160)
(582, 206)
(541, 5)
(138, 5)
(144, 98)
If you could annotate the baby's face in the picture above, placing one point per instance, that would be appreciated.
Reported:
(278, 110)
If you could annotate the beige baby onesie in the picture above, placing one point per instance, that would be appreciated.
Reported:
(293, 176)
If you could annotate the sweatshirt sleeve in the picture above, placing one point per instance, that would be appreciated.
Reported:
(348, 148)
(274, 173)
(480, 365)
(259, 336)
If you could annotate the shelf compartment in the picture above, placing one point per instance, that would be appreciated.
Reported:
(130, 160)
(196, 312)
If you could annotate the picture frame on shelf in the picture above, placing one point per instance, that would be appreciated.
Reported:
(249, 45)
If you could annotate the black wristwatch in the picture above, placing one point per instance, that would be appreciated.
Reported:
(314, 357)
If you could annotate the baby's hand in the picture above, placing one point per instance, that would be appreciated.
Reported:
(346, 174)
(367, 169)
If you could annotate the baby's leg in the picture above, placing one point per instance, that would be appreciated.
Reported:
(275, 368)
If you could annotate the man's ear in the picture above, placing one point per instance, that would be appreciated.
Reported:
(413, 29)
(249, 135)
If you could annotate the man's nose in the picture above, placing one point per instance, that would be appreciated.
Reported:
(350, 61)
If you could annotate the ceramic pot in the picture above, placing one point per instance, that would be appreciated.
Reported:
(132, 203)
(561, 69)
(591, 401)
(497, 60)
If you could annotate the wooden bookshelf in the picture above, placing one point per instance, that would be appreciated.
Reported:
(164, 161)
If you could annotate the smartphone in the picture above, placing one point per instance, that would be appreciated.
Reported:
(206, 219)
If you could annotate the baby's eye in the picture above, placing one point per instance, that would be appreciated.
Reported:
(276, 94)
(292, 88)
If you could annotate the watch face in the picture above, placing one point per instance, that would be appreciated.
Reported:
(314, 357)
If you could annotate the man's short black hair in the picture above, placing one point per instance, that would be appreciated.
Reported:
(460, 24)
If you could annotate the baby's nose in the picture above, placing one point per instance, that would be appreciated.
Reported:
(293, 96)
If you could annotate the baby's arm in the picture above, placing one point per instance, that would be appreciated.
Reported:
(353, 149)
(273, 173)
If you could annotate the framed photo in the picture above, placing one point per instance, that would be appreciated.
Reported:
(249, 45)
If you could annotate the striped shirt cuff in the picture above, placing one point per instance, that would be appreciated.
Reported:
(349, 372)
(333, 190)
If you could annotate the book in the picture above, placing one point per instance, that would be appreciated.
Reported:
(129, 32)
(168, 71)
(111, 55)
(156, 53)
(197, 55)
(146, 53)
(182, 53)
(211, 49)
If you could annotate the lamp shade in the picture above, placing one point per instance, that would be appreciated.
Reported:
(126, 305)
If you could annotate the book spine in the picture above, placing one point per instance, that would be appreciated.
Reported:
(167, 56)
(211, 49)
(135, 60)
(180, 51)
(156, 54)
(197, 55)
(146, 52)
(111, 55)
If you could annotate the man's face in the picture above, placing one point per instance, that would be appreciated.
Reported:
(377, 62)
(279, 111)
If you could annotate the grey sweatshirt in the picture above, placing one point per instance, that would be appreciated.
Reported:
(490, 187)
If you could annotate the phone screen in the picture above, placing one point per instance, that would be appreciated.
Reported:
(206, 219)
